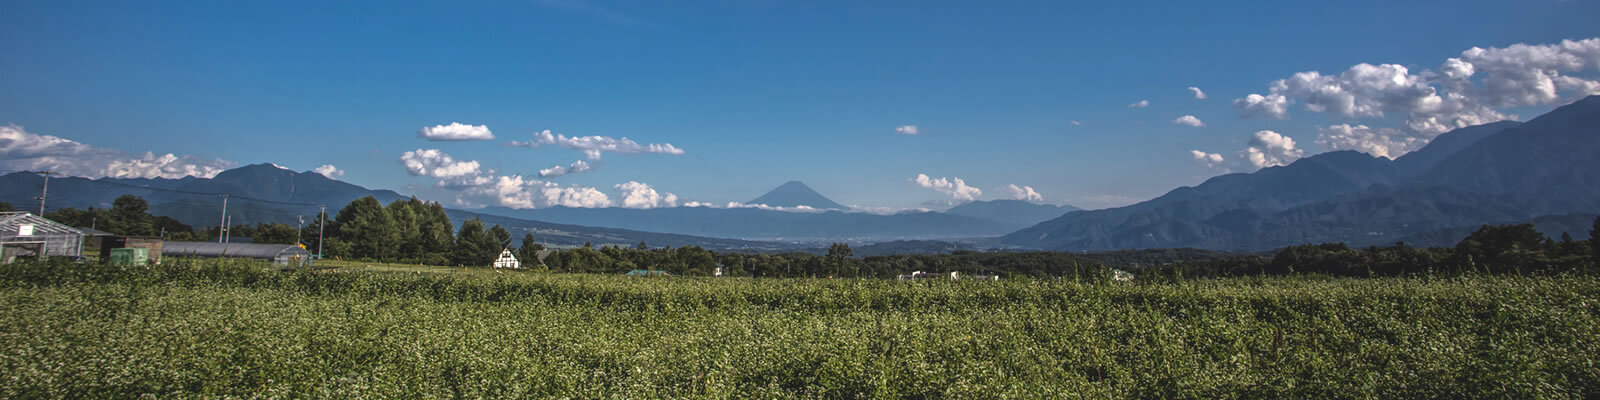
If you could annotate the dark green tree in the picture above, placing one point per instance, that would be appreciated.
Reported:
(1503, 248)
(366, 226)
(436, 234)
(407, 229)
(4, 206)
(838, 260)
(528, 253)
(274, 233)
(642, 246)
(474, 246)
(502, 238)
(170, 226)
(130, 216)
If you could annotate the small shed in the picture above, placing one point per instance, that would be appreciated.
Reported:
(289, 255)
(506, 260)
(151, 244)
(23, 234)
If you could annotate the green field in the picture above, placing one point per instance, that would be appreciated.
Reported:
(242, 329)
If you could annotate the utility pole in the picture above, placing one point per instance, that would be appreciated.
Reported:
(302, 227)
(322, 215)
(223, 224)
(227, 220)
(44, 191)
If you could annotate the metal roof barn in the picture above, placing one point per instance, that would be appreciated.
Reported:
(23, 234)
(281, 254)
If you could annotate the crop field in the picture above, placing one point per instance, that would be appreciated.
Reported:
(243, 329)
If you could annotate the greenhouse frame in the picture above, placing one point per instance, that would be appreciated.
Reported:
(24, 235)
(288, 255)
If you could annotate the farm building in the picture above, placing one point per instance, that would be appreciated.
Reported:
(151, 244)
(506, 260)
(288, 255)
(23, 234)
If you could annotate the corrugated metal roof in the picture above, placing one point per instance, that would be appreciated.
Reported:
(244, 250)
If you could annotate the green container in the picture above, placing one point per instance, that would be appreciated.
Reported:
(130, 256)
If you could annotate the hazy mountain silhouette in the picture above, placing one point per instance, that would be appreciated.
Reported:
(1013, 212)
(1496, 173)
(796, 194)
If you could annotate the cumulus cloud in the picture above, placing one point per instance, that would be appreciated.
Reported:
(640, 195)
(906, 129)
(23, 150)
(1198, 94)
(1140, 104)
(517, 192)
(1379, 142)
(456, 131)
(1024, 193)
(1272, 106)
(1270, 149)
(579, 166)
(329, 171)
(1210, 160)
(1265, 149)
(1189, 120)
(1463, 91)
(436, 164)
(955, 187)
(594, 146)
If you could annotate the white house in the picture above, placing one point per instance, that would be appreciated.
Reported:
(507, 260)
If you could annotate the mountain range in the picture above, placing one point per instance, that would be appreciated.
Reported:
(1546, 169)
(264, 193)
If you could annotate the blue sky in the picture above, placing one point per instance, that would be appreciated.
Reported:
(755, 93)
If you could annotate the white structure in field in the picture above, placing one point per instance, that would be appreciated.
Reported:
(507, 260)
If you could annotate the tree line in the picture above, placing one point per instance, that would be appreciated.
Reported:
(415, 231)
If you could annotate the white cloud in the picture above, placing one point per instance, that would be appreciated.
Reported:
(455, 132)
(802, 208)
(436, 164)
(1076, 123)
(1210, 160)
(1272, 106)
(329, 171)
(517, 192)
(1270, 149)
(577, 167)
(594, 146)
(1189, 120)
(1025, 193)
(1379, 142)
(906, 129)
(1198, 94)
(640, 195)
(954, 187)
(1140, 104)
(22, 150)
(1464, 91)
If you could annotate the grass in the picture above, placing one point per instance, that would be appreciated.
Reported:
(235, 329)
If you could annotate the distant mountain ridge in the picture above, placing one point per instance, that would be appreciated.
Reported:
(1015, 212)
(264, 193)
(796, 194)
(1497, 173)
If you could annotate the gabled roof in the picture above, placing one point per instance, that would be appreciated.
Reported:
(10, 221)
